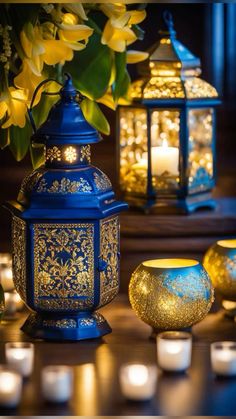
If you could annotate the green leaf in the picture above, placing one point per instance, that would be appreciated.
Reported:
(120, 66)
(37, 155)
(139, 32)
(20, 140)
(4, 138)
(41, 111)
(91, 68)
(95, 116)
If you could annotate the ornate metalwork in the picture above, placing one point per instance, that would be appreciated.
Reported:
(63, 266)
(102, 182)
(30, 182)
(53, 153)
(65, 186)
(60, 324)
(86, 322)
(19, 255)
(109, 250)
(85, 153)
(70, 154)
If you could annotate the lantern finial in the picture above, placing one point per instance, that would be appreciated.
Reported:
(168, 19)
(68, 91)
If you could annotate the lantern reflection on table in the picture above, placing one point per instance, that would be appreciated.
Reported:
(167, 134)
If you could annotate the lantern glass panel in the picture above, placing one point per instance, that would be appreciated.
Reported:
(200, 123)
(165, 128)
(133, 144)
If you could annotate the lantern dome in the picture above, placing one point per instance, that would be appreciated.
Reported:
(172, 71)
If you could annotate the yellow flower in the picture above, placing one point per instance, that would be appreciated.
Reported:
(13, 105)
(133, 57)
(117, 33)
(28, 80)
(71, 32)
(76, 8)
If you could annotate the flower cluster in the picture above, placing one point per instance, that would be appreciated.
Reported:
(54, 37)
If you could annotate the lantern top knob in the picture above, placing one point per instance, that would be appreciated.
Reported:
(66, 123)
(168, 20)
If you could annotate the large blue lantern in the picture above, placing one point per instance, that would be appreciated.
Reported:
(65, 231)
(167, 134)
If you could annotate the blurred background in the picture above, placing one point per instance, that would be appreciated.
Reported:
(209, 31)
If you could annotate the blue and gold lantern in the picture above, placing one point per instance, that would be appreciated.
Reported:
(167, 134)
(65, 231)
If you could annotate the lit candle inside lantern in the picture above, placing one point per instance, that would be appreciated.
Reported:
(20, 357)
(164, 159)
(223, 358)
(138, 382)
(13, 303)
(174, 350)
(6, 276)
(57, 383)
(10, 387)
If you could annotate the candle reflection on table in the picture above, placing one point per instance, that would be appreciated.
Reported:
(137, 381)
(10, 387)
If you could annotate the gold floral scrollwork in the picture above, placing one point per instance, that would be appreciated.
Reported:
(109, 250)
(102, 182)
(60, 324)
(85, 153)
(64, 266)
(64, 186)
(19, 255)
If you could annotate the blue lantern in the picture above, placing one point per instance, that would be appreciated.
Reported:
(65, 231)
(167, 134)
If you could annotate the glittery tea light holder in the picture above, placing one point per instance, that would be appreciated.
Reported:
(220, 263)
(170, 294)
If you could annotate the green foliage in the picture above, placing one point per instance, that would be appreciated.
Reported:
(94, 116)
(4, 138)
(37, 155)
(91, 68)
(20, 140)
(122, 79)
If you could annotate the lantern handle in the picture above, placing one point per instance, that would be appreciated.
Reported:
(34, 96)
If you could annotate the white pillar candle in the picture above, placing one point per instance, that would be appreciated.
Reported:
(20, 357)
(223, 358)
(137, 381)
(10, 388)
(164, 159)
(57, 383)
(6, 278)
(174, 351)
(13, 303)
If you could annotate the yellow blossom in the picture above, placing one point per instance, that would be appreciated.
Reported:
(133, 57)
(28, 80)
(71, 32)
(113, 9)
(117, 33)
(13, 105)
(76, 8)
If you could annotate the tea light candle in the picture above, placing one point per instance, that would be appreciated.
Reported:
(223, 358)
(137, 381)
(13, 303)
(174, 351)
(57, 383)
(20, 357)
(164, 159)
(10, 387)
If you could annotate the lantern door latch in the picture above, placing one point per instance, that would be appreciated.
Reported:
(102, 265)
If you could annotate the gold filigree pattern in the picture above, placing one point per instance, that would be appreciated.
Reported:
(53, 153)
(60, 324)
(28, 185)
(65, 186)
(19, 256)
(102, 182)
(109, 250)
(64, 266)
(70, 154)
(85, 153)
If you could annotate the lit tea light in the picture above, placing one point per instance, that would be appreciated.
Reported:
(13, 303)
(138, 382)
(6, 276)
(223, 358)
(174, 351)
(10, 387)
(57, 383)
(20, 357)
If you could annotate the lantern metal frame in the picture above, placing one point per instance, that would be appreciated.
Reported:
(179, 200)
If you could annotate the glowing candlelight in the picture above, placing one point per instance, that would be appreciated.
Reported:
(57, 383)
(223, 358)
(174, 350)
(138, 382)
(20, 356)
(10, 387)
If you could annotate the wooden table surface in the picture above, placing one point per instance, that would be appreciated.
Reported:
(96, 364)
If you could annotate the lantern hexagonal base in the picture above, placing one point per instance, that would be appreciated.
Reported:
(66, 328)
(172, 205)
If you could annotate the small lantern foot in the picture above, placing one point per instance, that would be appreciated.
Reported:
(63, 328)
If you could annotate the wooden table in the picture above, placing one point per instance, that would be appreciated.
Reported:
(96, 364)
